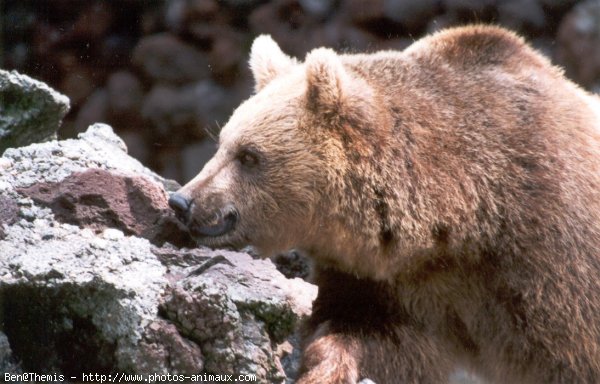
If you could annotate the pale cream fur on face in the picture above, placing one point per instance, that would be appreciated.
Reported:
(270, 123)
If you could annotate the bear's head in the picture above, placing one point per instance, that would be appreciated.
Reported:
(277, 177)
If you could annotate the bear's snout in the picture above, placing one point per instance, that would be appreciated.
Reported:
(204, 222)
(218, 223)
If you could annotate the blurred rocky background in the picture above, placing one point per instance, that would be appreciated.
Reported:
(165, 74)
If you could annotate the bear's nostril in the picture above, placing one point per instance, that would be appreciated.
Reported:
(179, 203)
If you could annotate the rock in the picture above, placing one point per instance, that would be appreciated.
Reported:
(93, 21)
(242, 3)
(163, 343)
(98, 297)
(522, 15)
(318, 8)
(440, 22)
(225, 56)
(412, 15)
(168, 160)
(125, 94)
(578, 43)
(469, 9)
(287, 23)
(94, 110)
(558, 4)
(165, 58)
(230, 304)
(180, 14)
(187, 110)
(292, 264)
(361, 12)
(30, 111)
(194, 157)
(137, 146)
(7, 362)
(343, 36)
(75, 302)
(169, 108)
(52, 162)
(78, 84)
(8, 213)
(99, 199)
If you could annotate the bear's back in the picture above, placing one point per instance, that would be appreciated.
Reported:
(496, 138)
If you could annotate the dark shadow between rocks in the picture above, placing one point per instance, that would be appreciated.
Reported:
(44, 338)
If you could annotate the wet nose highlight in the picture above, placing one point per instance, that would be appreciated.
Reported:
(179, 203)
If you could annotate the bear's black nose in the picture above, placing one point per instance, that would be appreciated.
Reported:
(180, 204)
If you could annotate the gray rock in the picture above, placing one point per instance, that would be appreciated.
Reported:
(318, 8)
(165, 58)
(522, 15)
(194, 156)
(238, 309)
(98, 147)
(411, 14)
(125, 93)
(79, 300)
(187, 110)
(7, 362)
(30, 111)
(578, 44)
(242, 3)
(64, 289)
(8, 213)
(94, 109)
(468, 7)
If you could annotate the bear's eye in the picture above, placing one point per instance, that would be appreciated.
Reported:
(247, 158)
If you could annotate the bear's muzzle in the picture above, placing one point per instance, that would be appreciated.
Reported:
(203, 223)
(220, 223)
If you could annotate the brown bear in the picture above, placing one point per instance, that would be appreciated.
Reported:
(448, 195)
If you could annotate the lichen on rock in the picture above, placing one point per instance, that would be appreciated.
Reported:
(93, 280)
(30, 111)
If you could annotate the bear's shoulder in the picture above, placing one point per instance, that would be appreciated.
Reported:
(477, 46)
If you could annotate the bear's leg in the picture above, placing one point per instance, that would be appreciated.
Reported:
(403, 356)
(357, 331)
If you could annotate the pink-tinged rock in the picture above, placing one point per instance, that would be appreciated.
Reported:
(99, 199)
(163, 343)
(9, 211)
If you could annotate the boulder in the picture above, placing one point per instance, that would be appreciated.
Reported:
(30, 111)
(578, 41)
(87, 286)
(166, 58)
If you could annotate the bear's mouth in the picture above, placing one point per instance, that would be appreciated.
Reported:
(221, 223)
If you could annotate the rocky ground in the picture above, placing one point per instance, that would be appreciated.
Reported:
(97, 276)
(162, 73)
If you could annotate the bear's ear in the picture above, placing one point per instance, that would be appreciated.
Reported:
(326, 79)
(267, 61)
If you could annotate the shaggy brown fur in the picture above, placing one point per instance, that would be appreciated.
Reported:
(448, 194)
